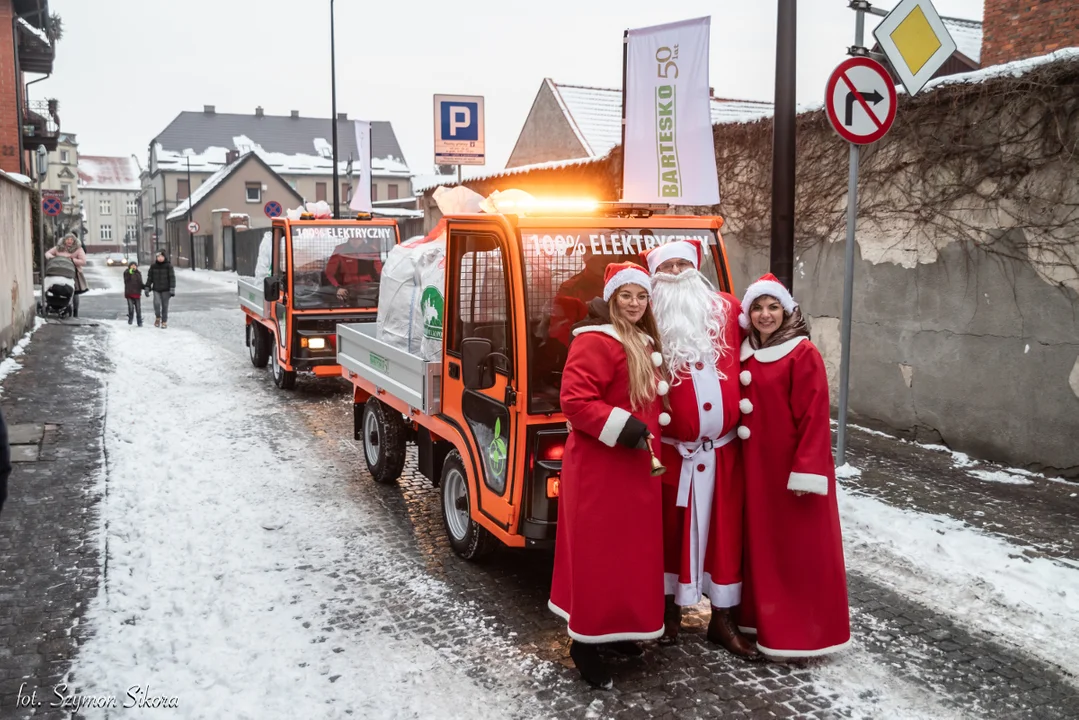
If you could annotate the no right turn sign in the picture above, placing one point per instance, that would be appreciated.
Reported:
(860, 99)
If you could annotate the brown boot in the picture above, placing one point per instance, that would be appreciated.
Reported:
(672, 621)
(723, 630)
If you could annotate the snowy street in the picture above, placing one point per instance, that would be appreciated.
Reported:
(191, 537)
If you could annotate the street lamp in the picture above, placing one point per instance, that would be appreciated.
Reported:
(333, 115)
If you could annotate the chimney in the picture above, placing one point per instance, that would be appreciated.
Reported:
(258, 111)
(342, 116)
(231, 156)
(295, 113)
(208, 109)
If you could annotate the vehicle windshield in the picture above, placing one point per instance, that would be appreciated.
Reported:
(339, 266)
(564, 271)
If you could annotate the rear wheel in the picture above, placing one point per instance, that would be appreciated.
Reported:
(282, 378)
(383, 441)
(256, 343)
(467, 538)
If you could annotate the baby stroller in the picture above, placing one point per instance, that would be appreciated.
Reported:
(58, 288)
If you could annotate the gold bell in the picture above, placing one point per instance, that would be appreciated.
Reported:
(657, 467)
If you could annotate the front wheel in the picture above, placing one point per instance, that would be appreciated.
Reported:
(256, 343)
(467, 538)
(282, 378)
(383, 441)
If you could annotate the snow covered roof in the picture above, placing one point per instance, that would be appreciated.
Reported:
(208, 185)
(98, 172)
(967, 35)
(426, 182)
(290, 145)
(595, 114)
(450, 181)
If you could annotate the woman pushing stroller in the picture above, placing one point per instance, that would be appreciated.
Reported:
(70, 248)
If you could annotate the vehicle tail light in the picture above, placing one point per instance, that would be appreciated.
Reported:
(552, 450)
(554, 484)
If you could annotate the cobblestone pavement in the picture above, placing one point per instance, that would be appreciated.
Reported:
(905, 660)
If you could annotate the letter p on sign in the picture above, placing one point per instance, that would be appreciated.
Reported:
(460, 118)
(459, 121)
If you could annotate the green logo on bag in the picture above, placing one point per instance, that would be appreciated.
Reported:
(431, 306)
(497, 452)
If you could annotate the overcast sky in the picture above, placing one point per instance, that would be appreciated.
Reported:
(126, 68)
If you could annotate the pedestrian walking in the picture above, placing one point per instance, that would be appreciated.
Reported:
(161, 281)
(5, 460)
(70, 248)
(133, 287)
(608, 571)
(795, 585)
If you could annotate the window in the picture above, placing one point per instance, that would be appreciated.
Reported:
(132, 207)
(106, 233)
(182, 189)
(104, 207)
(320, 191)
(66, 189)
(132, 234)
(374, 192)
(479, 281)
(254, 192)
(64, 157)
(392, 192)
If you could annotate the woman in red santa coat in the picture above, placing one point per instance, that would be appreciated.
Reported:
(795, 585)
(608, 572)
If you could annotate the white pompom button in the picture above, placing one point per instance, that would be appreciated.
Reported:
(745, 406)
(663, 387)
(664, 419)
(743, 432)
(657, 359)
(745, 377)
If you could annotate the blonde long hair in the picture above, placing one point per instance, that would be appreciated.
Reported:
(642, 373)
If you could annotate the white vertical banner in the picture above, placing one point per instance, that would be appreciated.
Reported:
(669, 153)
(361, 194)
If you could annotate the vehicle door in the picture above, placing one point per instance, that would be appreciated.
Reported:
(279, 305)
(479, 303)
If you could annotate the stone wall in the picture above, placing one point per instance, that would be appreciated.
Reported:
(17, 305)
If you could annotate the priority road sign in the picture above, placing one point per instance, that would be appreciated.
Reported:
(192, 227)
(459, 131)
(52, 205)
(272, 209)
(915, 41)
(860, 100)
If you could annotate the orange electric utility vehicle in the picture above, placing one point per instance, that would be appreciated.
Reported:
(486, 416)
(322, 272)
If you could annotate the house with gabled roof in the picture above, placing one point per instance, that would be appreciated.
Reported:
(109, 190)
(569, 122)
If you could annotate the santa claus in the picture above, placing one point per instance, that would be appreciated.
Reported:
(703, 490)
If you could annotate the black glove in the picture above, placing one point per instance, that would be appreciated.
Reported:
(633, 432)
(172, 294)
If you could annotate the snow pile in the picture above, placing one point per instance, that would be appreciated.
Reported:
(847, 471)
(10, 364)
(983, 581)
(999, 476)
(237, 569)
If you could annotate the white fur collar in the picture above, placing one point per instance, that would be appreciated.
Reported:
(608, 330)
(770, 354)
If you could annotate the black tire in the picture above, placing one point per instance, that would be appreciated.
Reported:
(256, 341)
(282, 378)
(382, 432)
(466, 537)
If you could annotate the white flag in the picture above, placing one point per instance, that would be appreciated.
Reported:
(669, 153)
(361, 193)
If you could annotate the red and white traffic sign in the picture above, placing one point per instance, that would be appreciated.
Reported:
(192, 227)
(860, 99)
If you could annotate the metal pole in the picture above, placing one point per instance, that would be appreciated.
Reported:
(458, 174)
(848, 273)
(333, 119)
(190, 217)
(41, 235)
(625, 70)
(783, 145)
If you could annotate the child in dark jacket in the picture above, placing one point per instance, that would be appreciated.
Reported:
(133, 287)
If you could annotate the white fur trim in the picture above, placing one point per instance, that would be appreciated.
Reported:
(743, 320)
(616, 422)
(808, 482)
(604, 329)
(610, 637)
(745, 406)
(679, 249)
(629, 276)
(769, 354)
(802, 653)
(746, 351)
(743, 432)
(663, 387)
(722, 596)
(664, 419)
(745, 377)
(657, 359)
(768, 287)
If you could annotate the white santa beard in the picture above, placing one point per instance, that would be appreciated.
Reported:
(690, 316)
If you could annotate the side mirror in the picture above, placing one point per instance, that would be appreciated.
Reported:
(271, 289)
(478, 373)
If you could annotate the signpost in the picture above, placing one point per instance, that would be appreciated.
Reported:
(51, 205)
(272, 209)
(42, 171)
(915, 41)
(459, 132)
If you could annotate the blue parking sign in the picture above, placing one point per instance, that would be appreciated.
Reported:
(459, 132)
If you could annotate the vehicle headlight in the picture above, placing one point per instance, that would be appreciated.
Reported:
(316, 343)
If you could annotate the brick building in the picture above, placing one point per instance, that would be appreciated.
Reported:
(1020, 29)
(25, 122)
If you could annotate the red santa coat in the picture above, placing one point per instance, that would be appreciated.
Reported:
(795, 589)
(608, 571)
(703, 490)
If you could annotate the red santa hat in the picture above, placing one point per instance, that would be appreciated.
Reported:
(626, 273)
(767, 285)
(688, 250)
